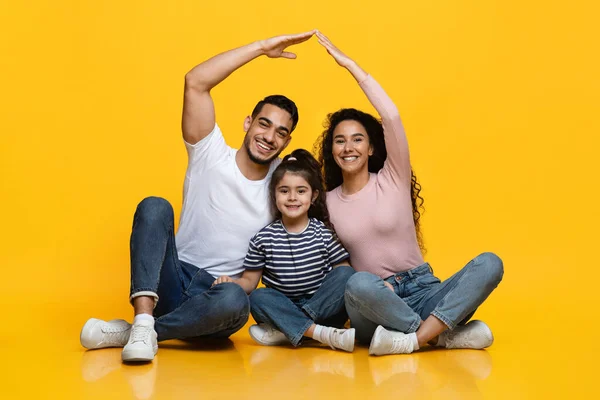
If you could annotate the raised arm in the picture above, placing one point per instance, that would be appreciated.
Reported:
(198, 109)
(398, 157)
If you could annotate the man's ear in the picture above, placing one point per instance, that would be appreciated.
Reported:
(247, 123)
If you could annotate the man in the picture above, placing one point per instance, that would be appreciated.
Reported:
(225, 203)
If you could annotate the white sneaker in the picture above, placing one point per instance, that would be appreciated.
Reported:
(266, 335)
(142, 344)
(474, 335)
(97, 334)
(342, 339)
(390, 342)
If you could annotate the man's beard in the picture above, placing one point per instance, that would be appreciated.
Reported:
(255, 159)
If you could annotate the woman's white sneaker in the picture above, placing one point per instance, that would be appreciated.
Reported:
(98, 334)
(474, 335)
(142, 344)
(392, 342)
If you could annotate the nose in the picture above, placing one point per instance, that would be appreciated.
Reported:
(347, 146)
(269, 136)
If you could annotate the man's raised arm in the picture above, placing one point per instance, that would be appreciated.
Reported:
(198, 108)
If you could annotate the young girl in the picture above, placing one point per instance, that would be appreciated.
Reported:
(303, 265)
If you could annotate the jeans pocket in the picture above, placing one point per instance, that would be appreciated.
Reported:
(426, 280)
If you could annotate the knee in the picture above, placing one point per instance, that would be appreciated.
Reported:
(258, 297)
(344, 272)
(154, 209)
(361, 284)
(233, 301)
(492, 265)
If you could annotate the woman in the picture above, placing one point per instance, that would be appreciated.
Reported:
(394, 301)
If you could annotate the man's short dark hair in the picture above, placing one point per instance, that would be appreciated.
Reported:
(279, 101)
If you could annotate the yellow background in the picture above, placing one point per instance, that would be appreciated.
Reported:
(500, 100)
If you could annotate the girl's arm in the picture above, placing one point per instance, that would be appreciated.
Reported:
(248, 281)
(398, 158)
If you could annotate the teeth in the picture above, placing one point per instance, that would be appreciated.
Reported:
(350, 158)
(262, 146)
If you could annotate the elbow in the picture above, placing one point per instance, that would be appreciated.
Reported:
(194, 81)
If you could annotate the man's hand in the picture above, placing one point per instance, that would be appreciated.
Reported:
(222, 279)
(339, 57)
(275, 46)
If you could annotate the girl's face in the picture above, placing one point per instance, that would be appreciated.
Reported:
(351, 148)
(293, 197)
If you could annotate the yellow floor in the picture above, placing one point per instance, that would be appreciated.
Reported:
(56, 366)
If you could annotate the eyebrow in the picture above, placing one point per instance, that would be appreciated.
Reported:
(339, 135)
(279, 128)
(287, 187)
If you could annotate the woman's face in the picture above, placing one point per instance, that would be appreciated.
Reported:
(351, 148)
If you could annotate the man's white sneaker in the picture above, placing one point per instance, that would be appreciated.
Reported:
(474, 335)
(266, 335)
(390, 342)
(97, 334)
(342, 339)
(142, 344)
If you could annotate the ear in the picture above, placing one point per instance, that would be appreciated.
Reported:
(371, 150)
(315, 195)
(247, 123)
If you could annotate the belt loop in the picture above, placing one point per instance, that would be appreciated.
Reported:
(410, 274)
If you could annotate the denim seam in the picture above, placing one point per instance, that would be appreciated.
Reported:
(413, 327)
(310, 312)
(144, 292)
(295, 340)
(451, 325)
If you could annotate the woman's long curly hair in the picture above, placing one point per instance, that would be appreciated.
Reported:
(301, 162)
(333, 173)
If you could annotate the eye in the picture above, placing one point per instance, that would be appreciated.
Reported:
(339, 141)
(358, 140)
(282, 134)
(283, 191)
(301, 191)
(263, 125)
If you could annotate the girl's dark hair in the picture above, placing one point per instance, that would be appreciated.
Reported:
(301, 162)
(333, 173)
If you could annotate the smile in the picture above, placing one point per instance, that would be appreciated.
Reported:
(349, 159)
(263, 146)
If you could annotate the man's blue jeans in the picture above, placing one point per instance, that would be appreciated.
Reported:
(186, 304)
(293, 316)
(418, 294)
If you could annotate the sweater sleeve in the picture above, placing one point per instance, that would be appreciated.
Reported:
(397, 164)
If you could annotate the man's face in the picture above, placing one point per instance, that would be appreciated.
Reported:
(268, 134)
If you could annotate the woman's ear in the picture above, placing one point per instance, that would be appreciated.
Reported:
(315, 195)
(371, 151)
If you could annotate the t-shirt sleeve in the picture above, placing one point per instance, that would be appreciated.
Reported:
(256, 256)
(335, 251)
(206, 152)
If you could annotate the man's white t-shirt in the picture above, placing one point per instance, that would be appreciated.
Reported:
(222, 209)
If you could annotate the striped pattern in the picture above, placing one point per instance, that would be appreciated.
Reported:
(294, 263)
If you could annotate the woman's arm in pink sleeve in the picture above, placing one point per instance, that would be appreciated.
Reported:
(398, 160)
(396, 144)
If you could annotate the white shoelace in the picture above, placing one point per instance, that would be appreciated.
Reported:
(116, 334)
(401, 344)
(140, 333)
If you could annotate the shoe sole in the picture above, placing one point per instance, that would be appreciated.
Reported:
(138, 355)
(375, 341)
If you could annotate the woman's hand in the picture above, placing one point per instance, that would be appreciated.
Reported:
(339, 57)
(389, 286)
(275, 46)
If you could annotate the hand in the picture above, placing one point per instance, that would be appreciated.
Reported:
(339, 57)
(275, 46)
(222, 279)
(389, 286)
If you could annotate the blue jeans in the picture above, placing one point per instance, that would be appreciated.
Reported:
(418, 294)
(293, 316)
(186, 304)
